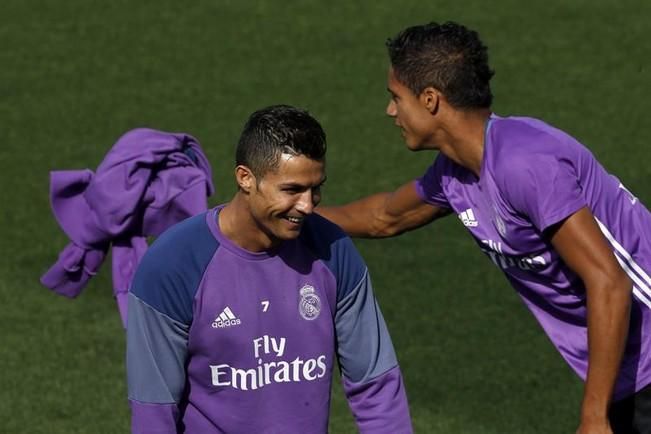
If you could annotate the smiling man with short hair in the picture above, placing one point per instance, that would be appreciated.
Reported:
(236, 316)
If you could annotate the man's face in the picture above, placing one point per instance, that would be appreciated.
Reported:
(286, 195)
(410, 113)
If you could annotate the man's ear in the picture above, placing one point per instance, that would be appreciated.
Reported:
(431, 99)
(245, 178)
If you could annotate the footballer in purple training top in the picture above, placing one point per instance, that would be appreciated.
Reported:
(570, 237)
(549, 179)
(237, 315)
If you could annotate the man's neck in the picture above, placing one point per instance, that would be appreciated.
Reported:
(463, 138)
(237, 224)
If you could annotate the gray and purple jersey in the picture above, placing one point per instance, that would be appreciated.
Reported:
(223, 340)
(532, 177)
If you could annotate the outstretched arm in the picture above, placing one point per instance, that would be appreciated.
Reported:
(384, 214)
(608, 290)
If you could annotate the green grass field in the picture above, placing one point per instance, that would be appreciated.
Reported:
(77, 74)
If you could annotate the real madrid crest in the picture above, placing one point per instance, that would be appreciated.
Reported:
(309, 306)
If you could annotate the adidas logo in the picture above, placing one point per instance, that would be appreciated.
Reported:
(468, 218)
(226, 319)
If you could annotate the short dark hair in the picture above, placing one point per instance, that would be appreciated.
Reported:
(276, 130)
(448, 57)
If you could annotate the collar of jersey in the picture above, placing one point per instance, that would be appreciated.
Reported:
(225, 242)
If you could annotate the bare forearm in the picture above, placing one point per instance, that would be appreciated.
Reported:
(608, 320)
(586, 251)
(361, 218)
(384, 214)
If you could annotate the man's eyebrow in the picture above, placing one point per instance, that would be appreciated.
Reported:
(298, 184)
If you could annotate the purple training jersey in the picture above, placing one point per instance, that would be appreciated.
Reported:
(223, 340)
(532, 177)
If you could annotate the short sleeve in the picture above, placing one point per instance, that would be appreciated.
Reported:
(430, 186)
(545, 188)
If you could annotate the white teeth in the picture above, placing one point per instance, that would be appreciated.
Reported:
(294, 219)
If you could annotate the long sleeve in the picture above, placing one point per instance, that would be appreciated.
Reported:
(160, 314)
(371, 376)
(156, 354)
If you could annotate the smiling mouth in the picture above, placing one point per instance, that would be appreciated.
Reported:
(295, 220)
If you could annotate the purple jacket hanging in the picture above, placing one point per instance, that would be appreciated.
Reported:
(147, 182)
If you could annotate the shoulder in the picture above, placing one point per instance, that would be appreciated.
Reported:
(191, 234)
(537, 169)
(519, 147)
(518, 136)
(168, 275)
(336, 250)
(327, 240)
